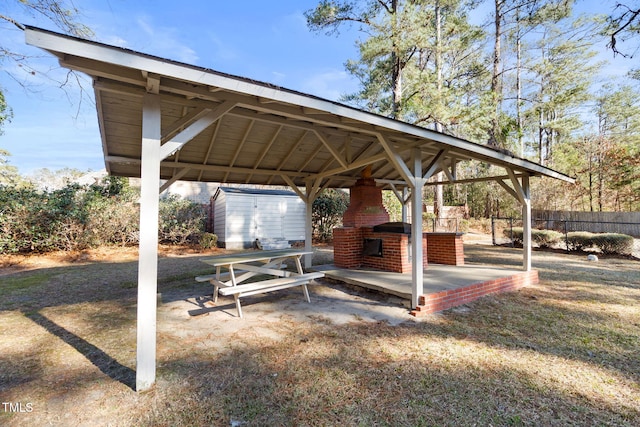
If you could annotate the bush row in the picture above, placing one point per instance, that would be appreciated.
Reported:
(78, 217)
(607, 243)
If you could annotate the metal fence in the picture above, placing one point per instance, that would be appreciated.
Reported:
(450, 225)
(570, 235)
(594, 222)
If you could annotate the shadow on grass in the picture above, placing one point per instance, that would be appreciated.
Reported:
(107, 364)
(373, 374)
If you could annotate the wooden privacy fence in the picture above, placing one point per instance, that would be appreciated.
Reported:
(594, 222)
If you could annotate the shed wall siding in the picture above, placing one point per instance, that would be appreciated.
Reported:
(240, 227)
(294, 226)
(220, 217)
(240, 219)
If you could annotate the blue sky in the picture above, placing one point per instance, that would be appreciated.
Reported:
(262, 40)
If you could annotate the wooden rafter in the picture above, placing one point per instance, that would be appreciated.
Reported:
(290, 153)
(210, 145)
(265, 150)
(239, 148)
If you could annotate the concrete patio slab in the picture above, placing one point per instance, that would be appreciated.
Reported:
(445, 286)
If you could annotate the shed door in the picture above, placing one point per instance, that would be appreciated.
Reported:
(269, 215)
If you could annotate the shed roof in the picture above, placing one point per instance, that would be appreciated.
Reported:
(255, 191)
(222, 128)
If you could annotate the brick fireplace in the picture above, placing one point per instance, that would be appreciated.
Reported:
(358, 244)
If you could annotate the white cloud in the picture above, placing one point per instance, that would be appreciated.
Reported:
(329, 84)
(278, 77)
(164, 42)
(292, 23)
(114, 40)
(218, 50)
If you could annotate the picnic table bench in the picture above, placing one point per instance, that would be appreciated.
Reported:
(244, 266)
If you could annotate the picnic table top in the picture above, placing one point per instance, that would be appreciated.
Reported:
(253, 256)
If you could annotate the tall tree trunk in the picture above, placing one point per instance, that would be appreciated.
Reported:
(396, 73)
(590, 180)
(496, 85)
(438, 199)
(519, 83)
(541, 137)
(600, 172)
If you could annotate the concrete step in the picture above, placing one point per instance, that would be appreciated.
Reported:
(271, 243)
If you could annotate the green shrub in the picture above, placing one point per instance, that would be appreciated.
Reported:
(579, 240)
(542, 238)
(181, 221)
(208, 240)
(515, 234)
(327, 211)
(545, 238)
(613, 243)
(77, 217)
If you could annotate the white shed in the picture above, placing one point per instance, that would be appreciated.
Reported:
(242, 215)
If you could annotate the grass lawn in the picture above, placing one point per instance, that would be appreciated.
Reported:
(564, 352)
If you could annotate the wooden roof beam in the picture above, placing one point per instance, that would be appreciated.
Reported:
(336, 155)
(209, 168)
(193, 130)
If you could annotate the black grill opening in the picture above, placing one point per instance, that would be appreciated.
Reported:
(372, 247)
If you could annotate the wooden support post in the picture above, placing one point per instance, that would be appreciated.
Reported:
(308, 230)
(522, 192)
(405, 190)
(417, 268)
(148, 247)
(311, 192)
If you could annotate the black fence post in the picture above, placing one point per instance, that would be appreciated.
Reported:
(566, 235)
(493, 230)
(511, 231)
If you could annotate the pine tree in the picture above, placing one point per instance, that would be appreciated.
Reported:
(561, 72)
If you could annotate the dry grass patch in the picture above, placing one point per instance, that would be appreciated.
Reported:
(564, 352)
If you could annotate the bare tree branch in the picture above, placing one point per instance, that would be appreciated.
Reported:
(622, 23)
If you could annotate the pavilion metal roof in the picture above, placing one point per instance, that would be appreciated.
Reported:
(222, 128)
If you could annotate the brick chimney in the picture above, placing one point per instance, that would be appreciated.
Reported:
(365, 204)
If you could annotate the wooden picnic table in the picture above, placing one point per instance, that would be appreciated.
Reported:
(243, 266)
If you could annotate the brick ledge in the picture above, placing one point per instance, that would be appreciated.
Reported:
(433, 303)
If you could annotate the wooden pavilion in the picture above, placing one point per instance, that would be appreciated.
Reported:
(161, 119)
